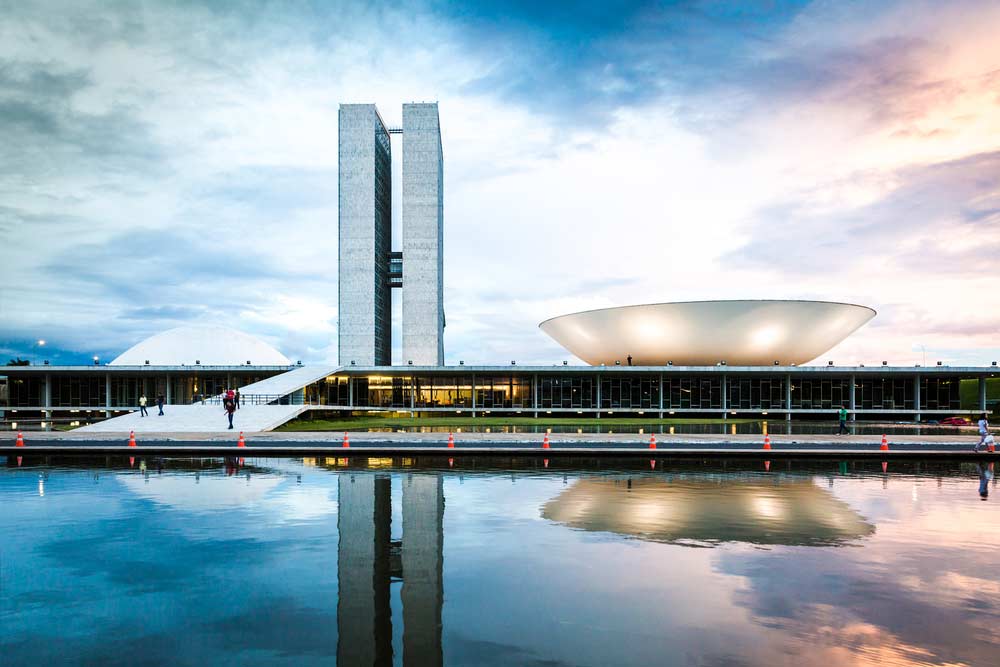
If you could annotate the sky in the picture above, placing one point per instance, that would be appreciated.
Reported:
(167, 163)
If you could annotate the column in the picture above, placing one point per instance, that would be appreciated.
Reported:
(350, 391)
(107, 395)
(725, 398)
(168, 389)
(852, 399)
(47, 397)
(982, 394)
(364, 618)
(423, 581)
(534, 393)
(661, 396)
(473, 395)
(916, 396)
(597, 379)
(788, 396)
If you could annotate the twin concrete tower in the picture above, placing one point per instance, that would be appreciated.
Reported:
(368, 267)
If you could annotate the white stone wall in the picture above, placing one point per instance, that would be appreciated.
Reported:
(423, 236)
(356, 233)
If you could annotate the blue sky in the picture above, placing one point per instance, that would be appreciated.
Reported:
(167, 163)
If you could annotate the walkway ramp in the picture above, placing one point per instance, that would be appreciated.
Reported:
(199, 419)
(287, 383)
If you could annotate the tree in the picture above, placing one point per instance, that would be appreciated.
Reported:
(19, 362)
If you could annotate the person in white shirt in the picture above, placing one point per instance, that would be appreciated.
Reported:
(142, 406)
(984, 431)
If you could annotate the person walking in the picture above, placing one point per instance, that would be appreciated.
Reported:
(159, 403)
(984, 431)
(843, 421)
(230, 409)
(629, 359)
(142, 406)
(236, 398)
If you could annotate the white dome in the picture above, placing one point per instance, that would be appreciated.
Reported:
(209, 345)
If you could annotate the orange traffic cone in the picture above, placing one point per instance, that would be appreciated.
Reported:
(131, 438)
(767, 466)
(885, 466)
(19, 459)
(767, 442)
(347, 443)
(652, 441)
(451, 463)
(131, 462)
(885, 444)
(20, 440)
(545, 462)
(991, 448)
(451, 441)
(242, 441)
(652, 464)
(545, 441)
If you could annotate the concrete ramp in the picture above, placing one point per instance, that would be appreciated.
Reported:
(198, 419)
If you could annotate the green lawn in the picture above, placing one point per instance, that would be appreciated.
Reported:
(364, 423)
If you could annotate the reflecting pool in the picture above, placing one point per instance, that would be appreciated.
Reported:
(478, 561)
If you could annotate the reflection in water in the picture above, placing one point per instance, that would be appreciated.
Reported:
(985, 475)
(365, 569)
(230, 562)
(790, 511)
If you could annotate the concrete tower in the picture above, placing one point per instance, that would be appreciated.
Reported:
(423, 236)
(365, 233)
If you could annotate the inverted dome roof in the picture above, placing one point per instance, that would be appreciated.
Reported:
(209, 345)
(703, 333)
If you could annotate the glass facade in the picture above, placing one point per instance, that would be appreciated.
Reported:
(510, 391)
(940, 393)
(744, 393)
(630, 393)
(692, 393)
(567, 392)
(824, 393)
(383, 247)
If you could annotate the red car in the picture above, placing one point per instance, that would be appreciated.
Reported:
(955, 421)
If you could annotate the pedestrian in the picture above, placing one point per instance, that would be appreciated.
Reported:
(629, 359)
(236, 398)
(142, 406)
(203, 398)
(230, 409)
(159, 403)
(843, 421)
(230, 395)
(984, 431)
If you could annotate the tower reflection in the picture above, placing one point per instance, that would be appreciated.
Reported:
(367, 563)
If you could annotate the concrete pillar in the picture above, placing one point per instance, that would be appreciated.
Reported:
(423, 581)
(916, 396)
(350, 391)
(534, 393)
(47, 397)
(852, 399)
(168, 389)
(364, 617)
(597, 379)
(982, 394)
(788, 396)
(725, 397)
(107, 395)
(661, 396)
(473, 395)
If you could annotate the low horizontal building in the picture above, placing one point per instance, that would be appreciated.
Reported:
(30, 395)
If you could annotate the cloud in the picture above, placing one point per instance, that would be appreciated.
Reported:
(177, 162)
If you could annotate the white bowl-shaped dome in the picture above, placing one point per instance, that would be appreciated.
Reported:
(704, 333)
(207, 345)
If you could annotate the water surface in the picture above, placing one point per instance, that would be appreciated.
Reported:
(487, 562)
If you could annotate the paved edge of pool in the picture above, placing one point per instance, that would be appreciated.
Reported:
(394, 450)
